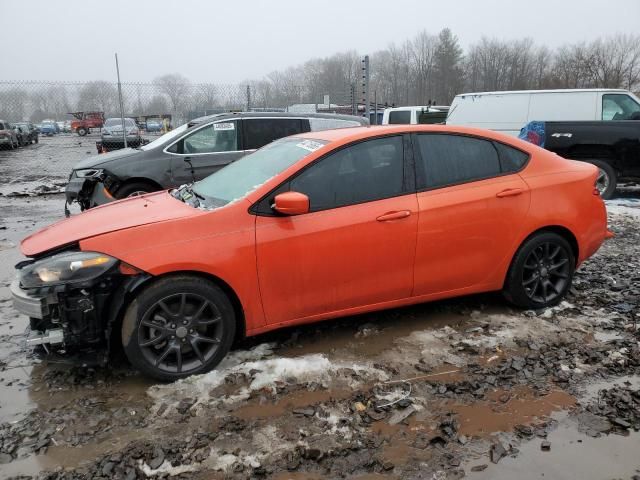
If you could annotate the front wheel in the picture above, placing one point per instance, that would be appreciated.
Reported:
(82, 131)
(134, 190)
(541, 272)
(179, 326)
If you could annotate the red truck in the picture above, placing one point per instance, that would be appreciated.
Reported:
(85, 121)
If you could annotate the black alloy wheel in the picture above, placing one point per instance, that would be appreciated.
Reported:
(546, 272)
(178, 327)
(541, 272)
(180, 333)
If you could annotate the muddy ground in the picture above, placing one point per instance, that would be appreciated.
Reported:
(462, 388)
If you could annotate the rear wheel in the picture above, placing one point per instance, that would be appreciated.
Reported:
(177, 327)
(134, 189)
(541, 272)
(607, 180)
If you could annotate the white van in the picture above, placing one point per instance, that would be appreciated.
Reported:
(415, 115)
(508, 112)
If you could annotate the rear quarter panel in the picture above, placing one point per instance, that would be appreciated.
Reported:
(562, 194)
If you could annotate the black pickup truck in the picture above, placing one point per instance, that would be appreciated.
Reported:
(613, 146)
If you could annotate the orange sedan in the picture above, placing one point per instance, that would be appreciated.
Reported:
(311, 227)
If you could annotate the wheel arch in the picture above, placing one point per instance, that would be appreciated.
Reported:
(146, 180)
(133, 288)
(561, 230)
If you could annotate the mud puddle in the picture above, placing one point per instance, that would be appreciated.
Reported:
(505, 409)
(572, 455)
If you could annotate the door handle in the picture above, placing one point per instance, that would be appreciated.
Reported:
(393, 216)
(509, 192)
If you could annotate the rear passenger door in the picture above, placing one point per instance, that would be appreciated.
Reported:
(471, 202)
(258, 132)
(204, 151)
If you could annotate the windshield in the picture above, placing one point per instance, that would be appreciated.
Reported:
(112, 122)
(245, 175)
(165, 138)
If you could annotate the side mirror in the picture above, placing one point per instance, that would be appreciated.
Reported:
(291, 203)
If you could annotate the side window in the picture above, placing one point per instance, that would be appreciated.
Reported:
(511, 159)
(367, 171)
(217, 137)
(619, 107)
(451, 159)
(260, 131)
(400, 117)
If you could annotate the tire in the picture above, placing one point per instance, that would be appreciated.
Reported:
(134, 189)
(607, 179)
(82, 131)
(541, 272)
(155, 334)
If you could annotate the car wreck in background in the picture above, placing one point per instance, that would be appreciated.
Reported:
(188, 153)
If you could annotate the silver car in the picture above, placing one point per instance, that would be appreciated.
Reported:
(112, 133)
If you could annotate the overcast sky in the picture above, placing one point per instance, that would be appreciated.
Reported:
(230, 41)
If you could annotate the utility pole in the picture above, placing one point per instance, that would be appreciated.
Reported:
(354, 100)
(365, 87)
(248, 98)
(124, 130)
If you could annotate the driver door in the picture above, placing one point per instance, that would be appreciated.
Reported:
(204, 151)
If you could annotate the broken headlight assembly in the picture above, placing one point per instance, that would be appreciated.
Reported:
(66, 268)
(89, 173)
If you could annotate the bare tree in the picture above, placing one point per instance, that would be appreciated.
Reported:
(175, 87)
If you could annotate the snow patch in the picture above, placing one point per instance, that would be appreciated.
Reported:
(263, 372)
(167, 469)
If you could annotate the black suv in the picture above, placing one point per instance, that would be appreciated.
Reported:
(188, 153)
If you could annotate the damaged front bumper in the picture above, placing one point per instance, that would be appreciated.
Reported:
(90, 192)
(74, 317)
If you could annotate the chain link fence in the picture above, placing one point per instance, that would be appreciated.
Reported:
(69, 117)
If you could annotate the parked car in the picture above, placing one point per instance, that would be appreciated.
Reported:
(153, 126)
(21, 135)
(508, 111)
(56, 125)
(188, 153)
(612, 146)
(112, 134)
(310, 227)
(416, 115)
(48, 128)
(8, 138)
(31, 129)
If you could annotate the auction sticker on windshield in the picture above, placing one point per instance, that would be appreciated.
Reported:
(309, 145)
(224, 126)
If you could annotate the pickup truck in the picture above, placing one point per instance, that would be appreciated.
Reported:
(613, 146)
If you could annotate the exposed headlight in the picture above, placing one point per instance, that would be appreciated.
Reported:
(66, 268)
(89, 173)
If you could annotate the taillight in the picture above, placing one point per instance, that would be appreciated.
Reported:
(533, 137)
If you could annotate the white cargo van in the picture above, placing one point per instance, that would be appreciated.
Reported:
(508, 112)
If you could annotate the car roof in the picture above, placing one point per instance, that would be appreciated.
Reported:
(345, 135)
(560, 90)
(332, 116)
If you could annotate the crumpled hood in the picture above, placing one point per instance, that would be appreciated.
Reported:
(97, 160)
(127, 213)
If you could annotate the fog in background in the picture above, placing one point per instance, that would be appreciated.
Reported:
(224, 42)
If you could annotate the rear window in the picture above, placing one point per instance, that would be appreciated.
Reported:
(258, 132)
(400, 117)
